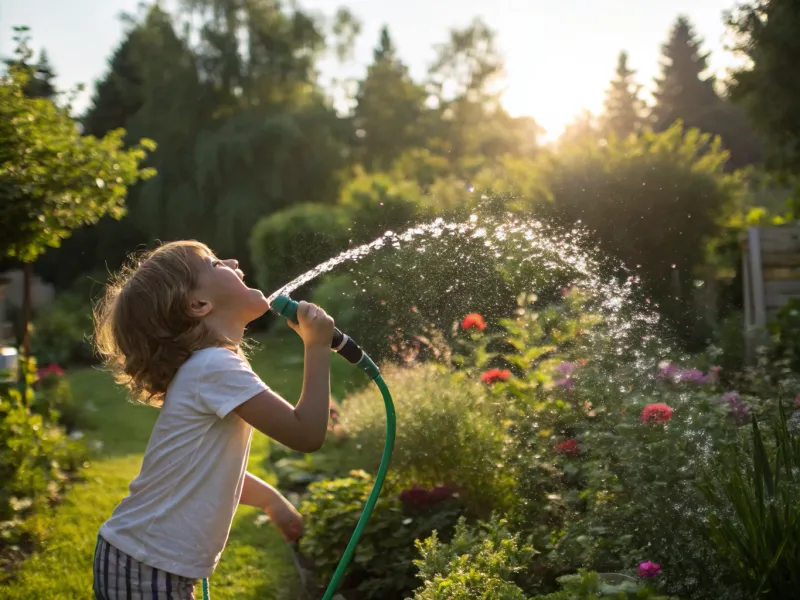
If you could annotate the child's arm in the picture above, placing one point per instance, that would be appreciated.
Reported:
(261, 495)
(302, 428)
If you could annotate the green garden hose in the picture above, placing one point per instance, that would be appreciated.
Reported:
(349, 350)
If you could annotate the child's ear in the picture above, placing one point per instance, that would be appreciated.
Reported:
(199, 308)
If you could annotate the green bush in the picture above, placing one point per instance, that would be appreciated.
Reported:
(754, 494)
(382, 566)
(61, 332)
(479, 562)
(35, 458)
(449, 431)
(54, 401)
(592, 586)
(652, 201)
(287, 243)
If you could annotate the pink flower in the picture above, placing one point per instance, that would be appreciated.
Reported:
(494, 375)
(656, 413)
(473, 320)
(565, 368)
(648, 569)
(51, 369)
(568, 448)
(739, 409)
(567, 383)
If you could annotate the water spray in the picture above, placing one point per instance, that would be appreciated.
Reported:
(348, 349)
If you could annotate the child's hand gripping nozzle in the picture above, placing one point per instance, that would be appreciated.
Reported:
(347, 348)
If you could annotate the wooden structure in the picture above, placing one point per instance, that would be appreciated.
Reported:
(771, 273)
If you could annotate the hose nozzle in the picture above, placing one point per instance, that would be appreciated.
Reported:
(341, 343)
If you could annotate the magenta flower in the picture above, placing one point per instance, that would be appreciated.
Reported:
(648, 569)
(566, 383)
(565, 368)
(738, 409)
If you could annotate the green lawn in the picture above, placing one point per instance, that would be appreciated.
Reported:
(257, 564)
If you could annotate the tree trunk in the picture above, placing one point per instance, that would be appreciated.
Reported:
(27, 276)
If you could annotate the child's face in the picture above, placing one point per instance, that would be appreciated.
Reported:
(221, 292)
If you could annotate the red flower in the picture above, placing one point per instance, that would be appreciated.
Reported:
(656, 413)
(494, 375)
(568, 448)
(473, 320)
(51, 369)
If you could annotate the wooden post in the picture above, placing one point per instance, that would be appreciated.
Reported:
(27, 276)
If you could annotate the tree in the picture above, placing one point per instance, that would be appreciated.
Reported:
(40, 75)
(623, 107)
(389, 109)
(653, 201)
(766, 35)
(682, 91)
(52, 179)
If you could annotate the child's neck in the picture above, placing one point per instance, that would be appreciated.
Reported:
(229, 332)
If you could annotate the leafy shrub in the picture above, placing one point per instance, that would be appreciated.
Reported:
(785, 330)
(754, 492)
(449, 431)
(597, 483)
(60, 333)
(592, 586)
(479, 562)
(382, 566)
(651, 200)
(286, 243)
(54, 401)
(35, 457)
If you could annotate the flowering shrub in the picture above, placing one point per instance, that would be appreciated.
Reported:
(35, 458)
(450, 431)
(383, 563)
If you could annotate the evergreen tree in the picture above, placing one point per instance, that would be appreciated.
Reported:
(767, 89)
(682, 90)
(389, 108)
(623, 107)
(40, 75)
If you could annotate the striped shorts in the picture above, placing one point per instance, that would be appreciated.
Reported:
(117, 576)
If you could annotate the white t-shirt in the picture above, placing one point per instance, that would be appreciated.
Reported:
(178, 513)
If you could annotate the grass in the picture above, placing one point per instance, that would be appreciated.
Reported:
(257, 563)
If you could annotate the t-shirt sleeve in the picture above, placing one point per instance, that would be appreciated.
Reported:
(226, 382)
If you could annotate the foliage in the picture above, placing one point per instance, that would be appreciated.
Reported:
(623, 109)
(53, 399)
(35, 458)
(479, 562)
(60, 333)
(52, 179)
(437, 414)
(764, 36)
(382, 565)
(651, 201)
(287, 243)
(389, 111)
(592, 586)
(785, 331)
(754, 493)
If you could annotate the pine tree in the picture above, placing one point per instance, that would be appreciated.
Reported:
(623, 107)
(682, 91)
(767, 89)
(389, 107)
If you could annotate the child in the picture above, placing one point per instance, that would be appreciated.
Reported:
(171, 328)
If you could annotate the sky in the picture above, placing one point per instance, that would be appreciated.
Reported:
(560, 56)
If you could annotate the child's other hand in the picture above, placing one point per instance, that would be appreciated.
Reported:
(315, 326)
(288, 521)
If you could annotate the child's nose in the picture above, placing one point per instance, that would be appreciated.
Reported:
(233, 263)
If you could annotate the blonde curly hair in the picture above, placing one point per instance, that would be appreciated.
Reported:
(143, 328)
